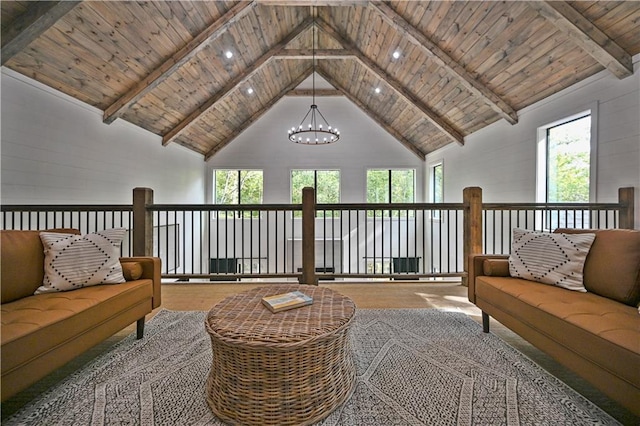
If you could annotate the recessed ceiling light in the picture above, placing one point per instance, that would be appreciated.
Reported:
(377, 90)
(250, 90)
(396, 54)
(228, 54)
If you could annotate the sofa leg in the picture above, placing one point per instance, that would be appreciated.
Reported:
(140, 328)
(485, 322)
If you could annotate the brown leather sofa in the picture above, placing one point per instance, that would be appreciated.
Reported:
(43, 332)
(595, 334)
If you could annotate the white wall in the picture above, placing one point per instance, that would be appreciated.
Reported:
(501, 158)
(362, 145)
(57, 150)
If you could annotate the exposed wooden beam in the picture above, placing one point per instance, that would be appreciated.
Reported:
(235, 82)
(178, 59)
(319, 54)
(318, 3)
(374, 68)
(318, 92)
(445, 61)
(586, 35)
(255, 116)
(39, 17)
(375, 117)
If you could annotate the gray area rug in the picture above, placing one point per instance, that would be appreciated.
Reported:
(414, 367)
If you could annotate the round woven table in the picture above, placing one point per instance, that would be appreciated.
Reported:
(289, 368)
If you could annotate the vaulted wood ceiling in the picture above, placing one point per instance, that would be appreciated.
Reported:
(462, 65)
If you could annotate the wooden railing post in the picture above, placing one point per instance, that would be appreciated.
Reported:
(142, 222)
(626, 199)
(308, 237)
(472, 223)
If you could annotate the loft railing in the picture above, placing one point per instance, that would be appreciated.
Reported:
(323, 241)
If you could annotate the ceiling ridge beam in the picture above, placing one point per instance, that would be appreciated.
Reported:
(234, 83)
(38, 18)
(177, 60)
(256, 115)
(375, 117)
(316, 92)
(586, 35)
(443, 59)
(374, 68)
(319, 54)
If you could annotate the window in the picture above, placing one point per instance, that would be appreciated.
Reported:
(436, 185)
(565, 168)
(238, 187)
(568, 154)
(390, 186)
(325, 182)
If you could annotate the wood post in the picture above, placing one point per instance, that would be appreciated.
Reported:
(308, 237)
(626, 199)
(142, 222)
(472, 224)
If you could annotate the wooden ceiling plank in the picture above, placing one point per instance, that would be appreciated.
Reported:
(587, 36)
(374, 68)
(182, 56)
(255, 116)
(375, 117)
(39, 17)
(446, 61)
(231, 85)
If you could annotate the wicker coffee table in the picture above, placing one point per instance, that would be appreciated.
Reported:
(291, 367)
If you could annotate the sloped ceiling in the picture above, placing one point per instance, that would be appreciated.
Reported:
(462, 65)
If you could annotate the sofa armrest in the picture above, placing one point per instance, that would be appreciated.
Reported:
(150, 270)
(476, 269)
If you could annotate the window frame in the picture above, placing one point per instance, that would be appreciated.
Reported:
(315, 188)
(239, 188)
(390, 183)
(542, 159)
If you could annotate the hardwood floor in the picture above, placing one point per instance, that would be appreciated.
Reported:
(444, 295)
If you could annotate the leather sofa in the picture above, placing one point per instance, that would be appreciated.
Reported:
(40, 333)
(596, 334)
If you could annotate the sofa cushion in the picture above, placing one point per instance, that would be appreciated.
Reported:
(495, 267)
(74, 261)
(131, 270)
(22, 262)
(612, 268)
(556, 259)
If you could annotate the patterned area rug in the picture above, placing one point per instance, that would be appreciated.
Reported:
(414, 367)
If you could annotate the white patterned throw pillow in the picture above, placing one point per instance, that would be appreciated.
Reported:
(76, 261)
(556, 259)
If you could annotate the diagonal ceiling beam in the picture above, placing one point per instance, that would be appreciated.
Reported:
(445, 61)
(39, 17)
(177, 60)
(234, 83)
(375, 117)
(255, 116)
(374, 68)
(586, 35)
